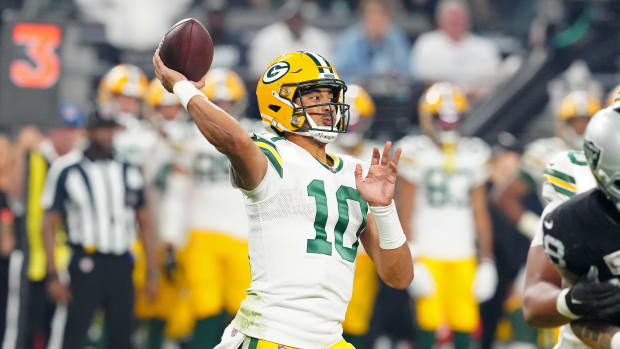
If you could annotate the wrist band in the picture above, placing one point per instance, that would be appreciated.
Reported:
(391, 235)
(184, 90)
(562, 307)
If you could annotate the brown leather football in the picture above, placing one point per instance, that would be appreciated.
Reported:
(187, 48)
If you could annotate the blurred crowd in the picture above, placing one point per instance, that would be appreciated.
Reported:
(413, 67)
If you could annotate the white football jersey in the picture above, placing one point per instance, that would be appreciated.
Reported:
(134, 142)
(536, 156)
(305, 219)
(566, 175)
(443, 223)
(198, 194)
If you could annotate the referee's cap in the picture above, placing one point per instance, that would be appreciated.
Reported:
(97, 119)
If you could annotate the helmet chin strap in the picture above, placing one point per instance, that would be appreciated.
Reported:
(318, 135)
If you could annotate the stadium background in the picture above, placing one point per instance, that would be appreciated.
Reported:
(78, 48)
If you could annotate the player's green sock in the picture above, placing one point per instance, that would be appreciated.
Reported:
(155, 336)
(356, 341)
(207, 333)
(461, 340)
(425, 339)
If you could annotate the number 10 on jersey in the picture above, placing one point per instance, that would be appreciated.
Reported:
(319, 244)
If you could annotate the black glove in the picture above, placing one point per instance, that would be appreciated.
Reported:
(170, 262)
(594, 300)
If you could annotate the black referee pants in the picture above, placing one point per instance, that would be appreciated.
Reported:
(100, 281)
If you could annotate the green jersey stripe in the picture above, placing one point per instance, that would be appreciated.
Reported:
(272, 158)
(563, 176)
(561, 190)
(256, 138)
(253, 343)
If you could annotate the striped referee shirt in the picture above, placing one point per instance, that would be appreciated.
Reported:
(98, 200)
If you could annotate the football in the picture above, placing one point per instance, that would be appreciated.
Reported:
(187, 48)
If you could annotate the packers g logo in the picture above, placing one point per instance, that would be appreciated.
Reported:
(276, 71)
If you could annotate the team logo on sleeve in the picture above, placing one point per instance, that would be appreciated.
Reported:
(276, 71)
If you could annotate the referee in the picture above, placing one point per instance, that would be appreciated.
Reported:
(98, 199)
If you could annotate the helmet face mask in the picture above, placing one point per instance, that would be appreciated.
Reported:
(281, 89)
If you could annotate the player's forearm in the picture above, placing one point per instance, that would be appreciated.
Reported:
(540, 306)
(218, 127)
(147, 237)
(596, 335)
(51, 219)
(482, 222)
(509, 202)
(395, 267)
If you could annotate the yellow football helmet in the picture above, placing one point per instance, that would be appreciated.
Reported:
(441, 108)
(225, 88)
(362, 115)
(284, 80)
(613, 96)
(161, 103)
(575, 106)
(123, 79)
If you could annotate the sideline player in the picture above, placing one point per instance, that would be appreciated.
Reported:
(443, 206)
(306, 209)
(572, 116)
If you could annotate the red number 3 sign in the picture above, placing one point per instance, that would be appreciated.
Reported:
(40, 41)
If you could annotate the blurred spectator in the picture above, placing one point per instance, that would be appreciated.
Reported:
(452, 53)
(134, 25)
(34, 152)
(7, 237)
(374, 47)
(229, 51)
(291, 33)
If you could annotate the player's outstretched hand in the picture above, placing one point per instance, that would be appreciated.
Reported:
(169, 77)
(378, 186)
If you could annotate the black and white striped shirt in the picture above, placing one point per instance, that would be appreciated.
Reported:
(98, 200)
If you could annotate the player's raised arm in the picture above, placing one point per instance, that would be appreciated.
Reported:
(218, 127)
(383, 238)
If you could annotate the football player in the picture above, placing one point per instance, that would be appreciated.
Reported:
(120, 93)
(442, 198)
(365, 285)
(572, 116)
(579, 237)
(307, 210)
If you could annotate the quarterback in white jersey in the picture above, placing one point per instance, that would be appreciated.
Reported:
(307, 210)
(565, 176)
(572, 116)
(443, 207)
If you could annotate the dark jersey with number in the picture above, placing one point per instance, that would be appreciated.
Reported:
(583, 232)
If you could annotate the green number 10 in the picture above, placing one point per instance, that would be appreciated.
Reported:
(319, 244)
